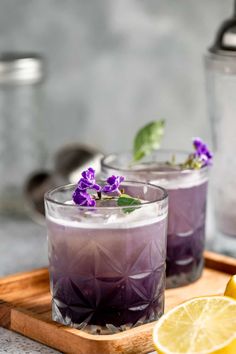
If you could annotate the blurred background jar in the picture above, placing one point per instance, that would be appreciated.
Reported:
(220, 65)
(21, 145)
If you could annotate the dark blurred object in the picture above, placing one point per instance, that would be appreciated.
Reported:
(21, 147)
(72, 159)
(225, 41)
(69, 162)
(220, 63)
(36, 186)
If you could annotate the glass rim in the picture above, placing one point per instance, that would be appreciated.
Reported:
(48, 197)
(185, 171)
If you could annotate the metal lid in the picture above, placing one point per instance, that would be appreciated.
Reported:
(225, 41)
(21, 68)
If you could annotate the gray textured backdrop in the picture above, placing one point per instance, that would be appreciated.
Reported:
(114, 65)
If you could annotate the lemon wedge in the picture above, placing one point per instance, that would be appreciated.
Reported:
(231, 288)
(203, 325)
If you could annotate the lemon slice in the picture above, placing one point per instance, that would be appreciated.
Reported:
(231, 288)
(204, 325)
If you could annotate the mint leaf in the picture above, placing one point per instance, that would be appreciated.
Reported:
(127, 200)
(148, 139)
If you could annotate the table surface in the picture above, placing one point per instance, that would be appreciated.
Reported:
(14, 343)
(23, 247)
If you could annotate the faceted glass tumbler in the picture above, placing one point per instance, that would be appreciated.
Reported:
(107, 265)
(187, 191)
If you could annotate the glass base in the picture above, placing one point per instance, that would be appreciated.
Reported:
(186, 277)
(67, 318)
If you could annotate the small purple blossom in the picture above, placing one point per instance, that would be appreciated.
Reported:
(83, 198)
(88, 180)
(113, 184)
(202, 152)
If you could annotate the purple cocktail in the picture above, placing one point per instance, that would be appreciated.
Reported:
(107, 267)
(187, 190)
(186, 234)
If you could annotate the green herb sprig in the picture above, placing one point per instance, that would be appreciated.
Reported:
(148, 139)
(127, 200)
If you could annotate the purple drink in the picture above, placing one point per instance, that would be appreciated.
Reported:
(187, 190)
(107, 268)
(186, 234)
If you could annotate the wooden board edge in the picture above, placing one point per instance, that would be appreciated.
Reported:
(220, 262)
(72, 341)
(5, 314)
(23, 280)
(34, 273)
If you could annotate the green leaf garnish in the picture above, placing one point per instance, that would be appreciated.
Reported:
(148, 139)
(127, 200)
(191, 163)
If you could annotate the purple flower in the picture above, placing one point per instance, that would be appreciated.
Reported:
(88, 180)
(202, 152)
(83, 198)
(113, 184)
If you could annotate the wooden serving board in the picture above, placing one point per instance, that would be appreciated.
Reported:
(25, 307)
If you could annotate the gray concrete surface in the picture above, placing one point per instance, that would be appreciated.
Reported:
(13, 343)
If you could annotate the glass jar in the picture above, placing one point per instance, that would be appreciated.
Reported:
(220, 69)
(105, 275)
(187, 191)
(21, 148)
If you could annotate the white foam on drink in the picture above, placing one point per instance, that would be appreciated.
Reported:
(167, 176)
(146, 215)
(184, 181)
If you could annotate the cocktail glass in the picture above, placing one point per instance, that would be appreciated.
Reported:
(107, 263)
(187, 191)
